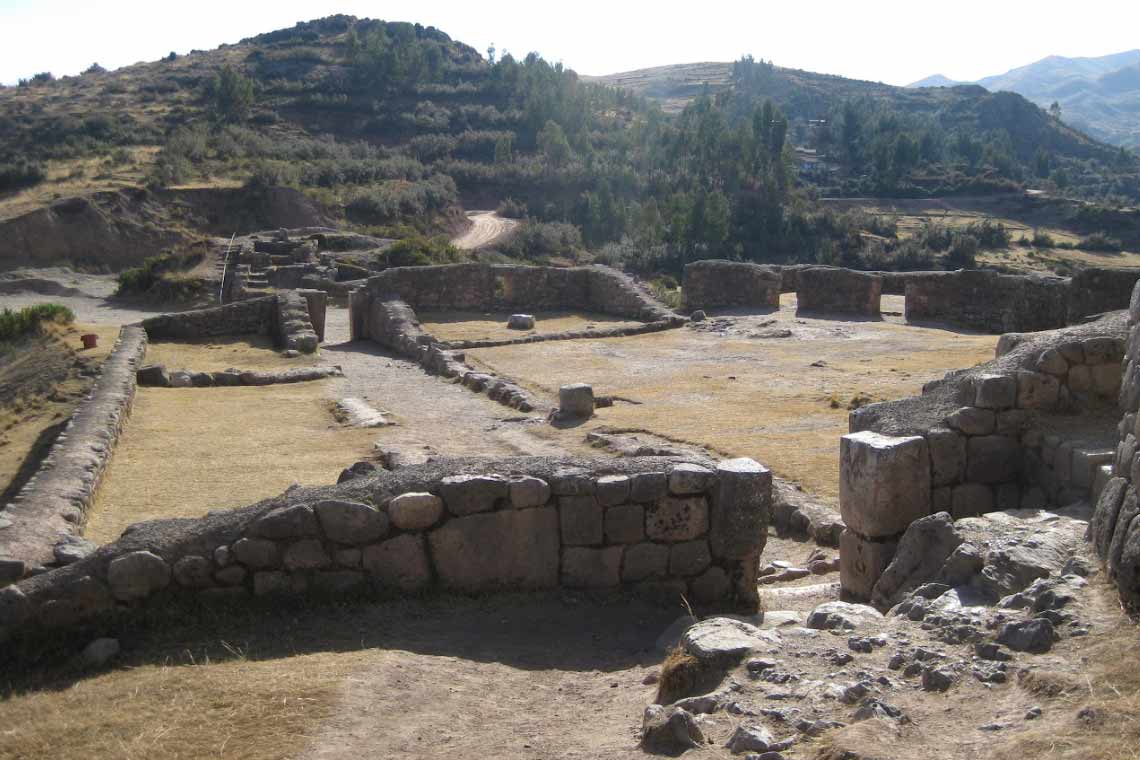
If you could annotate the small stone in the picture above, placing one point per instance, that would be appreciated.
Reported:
(937, 679)
(698, 316)
(749, 739)
(576, 401)
(669, 730)
(725, 638)
(194, 572)
(520, 322)
(73, 550)
(1033, 713)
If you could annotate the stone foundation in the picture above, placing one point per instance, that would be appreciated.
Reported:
(291, 317)
(657, 525)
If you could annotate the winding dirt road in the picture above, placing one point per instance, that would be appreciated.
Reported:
(486, 227)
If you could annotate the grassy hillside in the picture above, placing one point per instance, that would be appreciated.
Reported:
(393, 128)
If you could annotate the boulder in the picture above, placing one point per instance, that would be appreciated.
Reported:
(258, 553)
(753, 738)
(520, 322)
(153, 375)
(293, 521)
(72, 549)
(669, 730)
(468, 494)
(921, 553)
(725, 639)
(99, 652)
(831, 616)
(1034, 636)
(194, 572)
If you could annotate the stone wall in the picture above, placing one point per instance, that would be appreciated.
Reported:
(53, 504)
(829, 290)
(287, 316)
(716, 284)
(1114, 529)
(1026, 430)
(518, 288)
(1095, 290)
(658, 525)
(988, 301)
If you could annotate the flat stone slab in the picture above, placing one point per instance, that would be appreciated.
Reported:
(725, 638)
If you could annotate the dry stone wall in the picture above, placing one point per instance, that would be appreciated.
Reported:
(1026, 430)
(53, 505)
(658, 525)
(838, 291)
(289, 317)
(716, 284)
(1095, 290)
(1114, 529)
(988, 301)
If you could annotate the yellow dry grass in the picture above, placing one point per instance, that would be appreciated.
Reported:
(468, 325)
(255, 710)
(80, 176)
(255, 352)
(188, 450)
(749, 397)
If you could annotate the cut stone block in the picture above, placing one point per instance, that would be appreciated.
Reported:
(947, 456)
(1086, 464)
(576, 401)
(995, 391)
(971, 500)
(884, 483)
(644, 561)
(992, 459)
(520, 322)
(509, 549)
(676, 518)
(861, 562)
(591, 568)
(581, 519)
(972, 421)
(625, 524)
(741, 508)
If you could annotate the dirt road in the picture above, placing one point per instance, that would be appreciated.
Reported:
(486, 227)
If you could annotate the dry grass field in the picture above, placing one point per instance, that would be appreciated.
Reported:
(189, 450)
(493, 326)
(782, 401)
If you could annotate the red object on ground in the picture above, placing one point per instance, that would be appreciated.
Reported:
(90, 340)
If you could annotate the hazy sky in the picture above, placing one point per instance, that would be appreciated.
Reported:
(883, 40)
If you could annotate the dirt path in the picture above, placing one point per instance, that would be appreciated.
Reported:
(486, 227)
(431, 414)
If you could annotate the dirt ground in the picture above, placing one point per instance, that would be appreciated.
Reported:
(486, 228)
(468, 325)
(783, 401)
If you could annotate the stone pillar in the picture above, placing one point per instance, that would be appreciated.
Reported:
(317, 301)
(359, 300)
(884, 486)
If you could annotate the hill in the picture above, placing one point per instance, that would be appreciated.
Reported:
(1100, 95)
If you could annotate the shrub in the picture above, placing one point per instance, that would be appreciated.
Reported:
(230, 95)
(1043, 240)
(149, 277)
(541, 240)
(963, 253)
(19, 175)
(511, 209)
(30, 319)
(1099, 241)
(418, 250)
(990, 235)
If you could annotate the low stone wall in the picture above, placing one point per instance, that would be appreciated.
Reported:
(517, 288)
(838, 291)
(257, 316)
(157, 376)
(1095, 290)
(658, 525)
(978, 441)
(1114, 529)
(988, 301)
(716, 284)
(287, 316)
(53, 504)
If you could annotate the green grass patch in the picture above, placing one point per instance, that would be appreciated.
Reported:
(16, 325)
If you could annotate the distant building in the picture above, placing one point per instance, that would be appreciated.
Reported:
(812, 164)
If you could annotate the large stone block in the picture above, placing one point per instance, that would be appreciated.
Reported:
(741, 508)
(971, 420)
(971, 500)
(576, 401)
(884, 483)
(137, 575)
(648, 486)
(992, 459)
(947, 456)
(995, 391)
(686, 479)
(351, 522)
(583, 567)
(468, 494)
(511, 549)
(861, 563)
(1037, 391)
(840, 291)
(644, 561)
(612, 489)
(677, 518)
(399, 563)
(582, 520)
(415, 511)
(306, 554)
(689, 558)
(293, 521)
(526, 492)
(257, 553)
(625, 524)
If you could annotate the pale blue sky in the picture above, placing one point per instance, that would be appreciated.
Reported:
(884, 40)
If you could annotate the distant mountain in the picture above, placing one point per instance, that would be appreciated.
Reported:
(936, 80)
(1100, 95)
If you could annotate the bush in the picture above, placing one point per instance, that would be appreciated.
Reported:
(963, 253)
(1099, 241)
(990, 235)
(19, 175)
(30, 319)
(148, 277)
(418, 250)
(511, 209)
(536, 241)
(1043, 240)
